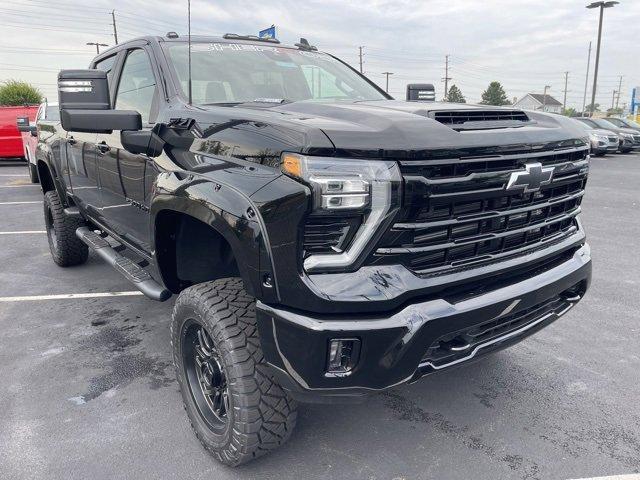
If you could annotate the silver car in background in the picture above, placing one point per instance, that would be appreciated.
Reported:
(602, 141)
(627, 136)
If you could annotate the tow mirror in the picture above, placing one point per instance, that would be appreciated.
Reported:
(83, 97)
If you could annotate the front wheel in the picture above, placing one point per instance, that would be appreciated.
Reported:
(235, 406)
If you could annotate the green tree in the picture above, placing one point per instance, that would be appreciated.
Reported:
(455, 95)
(570, 112)
(495, 95)
(593, 108)
(615, 111)
(16, 93)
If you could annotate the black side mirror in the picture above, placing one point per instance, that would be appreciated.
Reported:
(145, 142)
(85, 106)
(33, 130)
(23, 124)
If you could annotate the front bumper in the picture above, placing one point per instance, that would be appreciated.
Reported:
(403, 346)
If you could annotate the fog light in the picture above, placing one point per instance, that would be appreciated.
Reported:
(342, 356)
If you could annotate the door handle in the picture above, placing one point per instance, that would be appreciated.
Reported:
(71, 141)
(103, 147)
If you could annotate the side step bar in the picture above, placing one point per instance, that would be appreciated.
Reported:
(125, 266)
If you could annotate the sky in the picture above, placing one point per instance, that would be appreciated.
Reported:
(524, 44)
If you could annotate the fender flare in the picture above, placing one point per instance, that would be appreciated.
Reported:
(228, 213)
(60, 190)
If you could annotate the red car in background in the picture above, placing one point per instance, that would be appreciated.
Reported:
(11, 144)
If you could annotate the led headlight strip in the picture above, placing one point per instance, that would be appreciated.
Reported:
(340, 185)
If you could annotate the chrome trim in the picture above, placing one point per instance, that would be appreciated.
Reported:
(507, 336)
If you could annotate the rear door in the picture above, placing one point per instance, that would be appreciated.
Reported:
(82, 165)
(125, 194)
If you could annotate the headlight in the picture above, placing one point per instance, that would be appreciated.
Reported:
(626, 136)
(345, 187)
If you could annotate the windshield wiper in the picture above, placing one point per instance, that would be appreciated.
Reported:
(257, 101)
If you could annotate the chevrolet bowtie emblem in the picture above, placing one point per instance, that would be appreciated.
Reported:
(533, 177)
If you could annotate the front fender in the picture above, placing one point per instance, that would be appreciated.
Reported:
(228, 211)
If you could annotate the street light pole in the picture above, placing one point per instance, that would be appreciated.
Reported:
(602, 6)
(98, 45)
(586, 80)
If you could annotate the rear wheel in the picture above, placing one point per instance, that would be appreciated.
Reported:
(235, 406)
(66, 248)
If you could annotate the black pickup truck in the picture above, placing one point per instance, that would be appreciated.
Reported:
(324, 240)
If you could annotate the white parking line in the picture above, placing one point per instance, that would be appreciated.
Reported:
(12, 175)
(23, 232)
(19, 186)
(632, 476)
(67, 296)
(20, 203)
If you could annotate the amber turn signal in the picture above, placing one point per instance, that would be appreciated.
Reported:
(292, 165)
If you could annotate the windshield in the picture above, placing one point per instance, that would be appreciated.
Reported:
(588, 121)
(604, 124)
(583, 125)
(631, 123)
(238, 73)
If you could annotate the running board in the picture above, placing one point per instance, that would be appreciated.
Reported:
(125, 266)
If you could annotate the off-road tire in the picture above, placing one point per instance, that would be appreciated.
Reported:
(66, 248)
(33, 173)
(261, 416)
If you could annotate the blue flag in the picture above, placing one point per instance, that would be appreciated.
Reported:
(268, 32)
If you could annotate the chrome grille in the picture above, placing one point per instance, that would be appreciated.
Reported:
(458, 213)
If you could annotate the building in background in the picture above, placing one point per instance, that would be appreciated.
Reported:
(538, 101)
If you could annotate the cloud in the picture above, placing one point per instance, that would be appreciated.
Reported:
(525, 44)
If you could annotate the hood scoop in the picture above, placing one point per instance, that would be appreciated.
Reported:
(479, 119)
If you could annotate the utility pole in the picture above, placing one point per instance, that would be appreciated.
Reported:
(544, 98)
(613, 99)
(189, 87)
(586, 80)
(564, 102)
(360, 55)
(619, 90)
(601, 6)
(387, 75)
(446, 76)
(115, 30)
(98, 45)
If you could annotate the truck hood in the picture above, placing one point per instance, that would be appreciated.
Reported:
(398, 129)
(391, 126)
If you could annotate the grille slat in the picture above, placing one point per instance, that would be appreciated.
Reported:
(458, 221)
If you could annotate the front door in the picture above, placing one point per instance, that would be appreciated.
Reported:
(83, 171)
(125, 176)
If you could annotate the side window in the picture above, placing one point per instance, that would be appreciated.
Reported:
(106, 65)
(137, 85)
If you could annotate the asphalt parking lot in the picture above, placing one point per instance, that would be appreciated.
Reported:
(88, 388)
